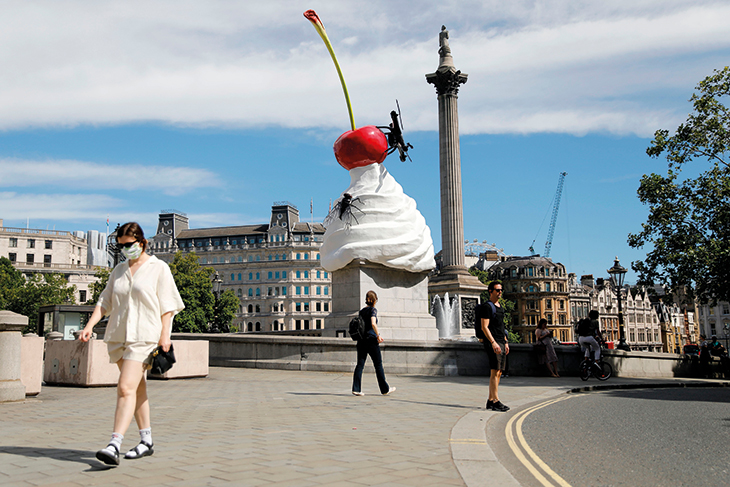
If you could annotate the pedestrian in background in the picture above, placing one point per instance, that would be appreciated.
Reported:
(370, 345)
(140, 299)
(491, 319)
(548, 357)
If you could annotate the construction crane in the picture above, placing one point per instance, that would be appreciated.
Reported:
(556, 207)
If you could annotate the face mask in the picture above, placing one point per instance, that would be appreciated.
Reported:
(133, 252)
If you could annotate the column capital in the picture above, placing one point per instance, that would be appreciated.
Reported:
(447, 81)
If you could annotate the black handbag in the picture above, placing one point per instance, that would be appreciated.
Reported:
(162, 361)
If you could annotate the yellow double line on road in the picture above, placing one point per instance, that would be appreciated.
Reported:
(529, 458)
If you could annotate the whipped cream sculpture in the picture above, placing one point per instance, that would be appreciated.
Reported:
(373, 220)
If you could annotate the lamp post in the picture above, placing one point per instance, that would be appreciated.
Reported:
(217, 281)
(618, 273)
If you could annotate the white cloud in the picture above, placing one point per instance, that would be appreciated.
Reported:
(70, 174)
(533, 66)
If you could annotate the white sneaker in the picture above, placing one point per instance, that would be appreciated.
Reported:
(358, 393)
(392, 389)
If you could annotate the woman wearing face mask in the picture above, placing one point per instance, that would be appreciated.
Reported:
(140, 299)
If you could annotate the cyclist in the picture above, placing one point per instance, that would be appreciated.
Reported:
(589, 332)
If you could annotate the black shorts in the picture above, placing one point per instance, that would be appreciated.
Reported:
(496, 361)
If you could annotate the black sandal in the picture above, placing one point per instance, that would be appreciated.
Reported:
(108, 457)
(135, 452)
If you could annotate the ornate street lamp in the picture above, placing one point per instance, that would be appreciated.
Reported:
(217, 281)
(618, 273)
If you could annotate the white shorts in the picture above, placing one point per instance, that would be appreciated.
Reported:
(137, 351)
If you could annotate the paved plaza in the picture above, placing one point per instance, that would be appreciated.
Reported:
(255, 427)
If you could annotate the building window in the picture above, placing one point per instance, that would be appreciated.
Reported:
(325, 274)
(283, 274)
(49, 244)
(29, 258)
(277, 275)
(13, 242)
(258, 276)
(326, 291)
(271, 275)
(306, 290)
(233, 277)
(250, 291)
(240, 292)
(283, 291)
(547, 286)
(82, 294)
(318, 275)
(258, 326)
(258, 291)
(13, 257)
(561, 304)
(306, 256)
(549, 319)
(297, 306)
(318, 325)
(306, 274)
(319, 290)
(530, 272)
(326, 306)
(298, 290)
(299, 275)
(258, 308)
(306, 307)
(270, 291)
(319, 306)
(726, 309)
(250, 308)
(298, 324)
(548, 304)
(250, 276)
(239, 276)
(306, 324)
(299, 256)
(47, 260)
(547, 272)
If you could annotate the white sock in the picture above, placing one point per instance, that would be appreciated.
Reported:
(116, 441)
(146, 435)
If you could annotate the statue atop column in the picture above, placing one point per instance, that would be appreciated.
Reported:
(444, 49)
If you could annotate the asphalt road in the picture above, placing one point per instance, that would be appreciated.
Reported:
(646, 437)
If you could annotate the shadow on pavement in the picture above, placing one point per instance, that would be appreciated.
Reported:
(707, 393)
(76, 456)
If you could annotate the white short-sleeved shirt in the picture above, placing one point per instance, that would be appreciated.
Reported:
(135, 304)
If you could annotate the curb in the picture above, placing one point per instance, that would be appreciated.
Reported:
(658, 385)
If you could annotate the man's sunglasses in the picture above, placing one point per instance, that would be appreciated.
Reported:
(497, 290)
(127, 245)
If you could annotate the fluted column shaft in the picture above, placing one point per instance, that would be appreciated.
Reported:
(452, 209)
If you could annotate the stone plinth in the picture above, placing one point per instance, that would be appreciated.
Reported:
(77, 363)
(402, 301)
(31, 366)
(11, 325)
(191, 360)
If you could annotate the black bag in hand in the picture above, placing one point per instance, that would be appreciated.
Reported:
(162, 361)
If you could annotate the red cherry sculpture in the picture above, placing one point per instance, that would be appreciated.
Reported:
(361, 147)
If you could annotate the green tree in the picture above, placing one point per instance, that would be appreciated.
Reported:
(195, 286)
(11, 282)
(102, 274)
(688, 225)
(225, 310)
(42, 290)
(507, 305)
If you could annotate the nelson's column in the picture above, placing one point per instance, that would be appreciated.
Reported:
(453, 276)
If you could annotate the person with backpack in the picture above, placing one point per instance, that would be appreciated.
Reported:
(489, 329)
(369, 344)
(588, 330)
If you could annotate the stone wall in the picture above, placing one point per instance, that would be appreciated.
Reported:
(420, 357)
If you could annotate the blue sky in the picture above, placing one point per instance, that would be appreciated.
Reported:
(218, 109)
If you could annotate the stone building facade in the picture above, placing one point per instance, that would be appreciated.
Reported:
(38, 251)
(273, 268)
(539, 288)
(714, 320)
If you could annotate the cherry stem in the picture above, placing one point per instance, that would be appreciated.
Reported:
(323, 34)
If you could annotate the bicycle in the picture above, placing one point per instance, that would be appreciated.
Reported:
(600, 370)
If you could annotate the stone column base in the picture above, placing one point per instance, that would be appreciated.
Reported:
(402, 301)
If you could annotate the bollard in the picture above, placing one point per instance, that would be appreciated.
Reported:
(11, 325)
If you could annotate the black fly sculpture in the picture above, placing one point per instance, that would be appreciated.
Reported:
(395, 135)
(343, 211)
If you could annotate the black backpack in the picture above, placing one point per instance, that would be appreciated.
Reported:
(584, 327)
(479, 313)
(357, 328)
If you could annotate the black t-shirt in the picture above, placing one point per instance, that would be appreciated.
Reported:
(496, 322)
(366, 314)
